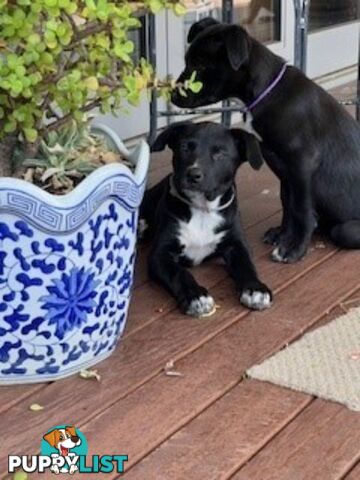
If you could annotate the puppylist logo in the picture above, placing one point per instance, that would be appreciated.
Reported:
(64, 450)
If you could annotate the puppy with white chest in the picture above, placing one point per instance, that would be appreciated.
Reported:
(193, 215)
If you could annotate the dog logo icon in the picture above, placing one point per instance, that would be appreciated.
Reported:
(64, 450)
(64, 444)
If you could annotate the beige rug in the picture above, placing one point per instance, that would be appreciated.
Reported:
(324, 363)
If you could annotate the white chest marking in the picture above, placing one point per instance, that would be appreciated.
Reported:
(198, 237)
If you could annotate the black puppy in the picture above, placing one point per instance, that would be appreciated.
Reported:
(193, 214)
(310, 142)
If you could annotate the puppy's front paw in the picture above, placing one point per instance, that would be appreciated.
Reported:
(257, 297)
(272, 236)
(202, 306)
(282, 254)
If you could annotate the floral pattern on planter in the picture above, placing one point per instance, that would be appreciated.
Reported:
(64, 294)
(71, 299)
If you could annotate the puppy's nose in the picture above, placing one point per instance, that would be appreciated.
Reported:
(194, 175)
(75, 438)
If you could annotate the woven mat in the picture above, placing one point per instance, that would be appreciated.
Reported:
(324, 363)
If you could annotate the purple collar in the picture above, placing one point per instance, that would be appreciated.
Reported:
(266, 92)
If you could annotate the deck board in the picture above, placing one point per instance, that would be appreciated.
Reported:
(354, 474)
(323, 431)
(210, 447)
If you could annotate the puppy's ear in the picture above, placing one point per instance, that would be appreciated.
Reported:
(248, 147)
(169, 136)
(237, 46)
(50, 438)
(199, 27)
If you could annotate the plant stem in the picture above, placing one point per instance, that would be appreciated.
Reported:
(7, 147)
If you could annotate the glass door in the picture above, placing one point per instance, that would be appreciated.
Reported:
(333, 36)
(266, 20)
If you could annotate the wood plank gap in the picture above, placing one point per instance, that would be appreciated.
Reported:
(32, 389)
(268, 440)
(317, 444)
(353, 473)
(186, 421)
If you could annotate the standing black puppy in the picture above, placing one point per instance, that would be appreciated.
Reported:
(193, 214)
(310, 142)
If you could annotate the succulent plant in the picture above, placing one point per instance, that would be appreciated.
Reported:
(66, 156)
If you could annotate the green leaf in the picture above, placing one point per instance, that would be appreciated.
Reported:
(91, 83)
(64, 3)
(180, 9)
(193, 76)
(128, 47)
(10, 126)
(34, 39)
(155, 5)
(20, 476)
(30, 134)
(46, 58)
(16, 87)
(195, 87)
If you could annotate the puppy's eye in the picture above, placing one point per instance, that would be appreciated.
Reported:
(187, 146)
(61, 437)
(217, 151)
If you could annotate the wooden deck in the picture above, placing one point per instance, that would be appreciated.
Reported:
(210, 423)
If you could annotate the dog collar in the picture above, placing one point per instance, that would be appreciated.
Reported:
(266, 92)
(174, 191)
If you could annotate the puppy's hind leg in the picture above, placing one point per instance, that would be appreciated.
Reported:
(274, 234)
(346, 235)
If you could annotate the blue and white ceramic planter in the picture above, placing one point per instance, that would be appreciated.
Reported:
(66, 269)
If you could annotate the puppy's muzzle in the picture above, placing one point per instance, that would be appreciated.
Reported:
(194, 176)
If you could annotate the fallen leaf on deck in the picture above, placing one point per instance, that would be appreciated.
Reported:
(35, 407)
(210, 314)
(169, 370)
(265, 192)
(90, 374)
(20, 476)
